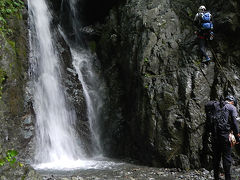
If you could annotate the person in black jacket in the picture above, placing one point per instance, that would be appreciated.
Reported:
(203, 22)
(222, 117)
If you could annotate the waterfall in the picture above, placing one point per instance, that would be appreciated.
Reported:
(92, 88)
(56, 139)
(85, 64)
(57, 143)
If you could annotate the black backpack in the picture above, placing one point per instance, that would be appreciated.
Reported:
(216, 117)
(220, 122)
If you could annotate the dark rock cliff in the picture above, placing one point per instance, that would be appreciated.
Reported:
(157, 85)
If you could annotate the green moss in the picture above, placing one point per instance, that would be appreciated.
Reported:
(3, 76)
(147, 75)
(190, 13)
(14, 55)
(11, 43)
(9, 8)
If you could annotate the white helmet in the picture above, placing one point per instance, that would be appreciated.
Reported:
(201, 9)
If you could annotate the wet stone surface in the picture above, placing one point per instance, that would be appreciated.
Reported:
(134, 172)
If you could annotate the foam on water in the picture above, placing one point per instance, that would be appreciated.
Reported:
(68, 165)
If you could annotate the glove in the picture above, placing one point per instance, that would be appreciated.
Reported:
(232, 139)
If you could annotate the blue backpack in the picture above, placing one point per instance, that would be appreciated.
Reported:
(206, 19)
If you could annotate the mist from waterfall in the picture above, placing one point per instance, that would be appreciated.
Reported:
(56, 139)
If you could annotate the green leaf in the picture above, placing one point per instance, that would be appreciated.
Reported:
(9, 11)
(20, 164)
(16, 4)
(2, 162)
(12, 153)
(13, 160)
(1, 18)
(8, 158)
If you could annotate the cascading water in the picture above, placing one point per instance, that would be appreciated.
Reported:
(92, 86)
(57, 144)
(56, 139)
(83, 62)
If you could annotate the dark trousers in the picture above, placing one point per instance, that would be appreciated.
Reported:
(222, 149)
(202, 47)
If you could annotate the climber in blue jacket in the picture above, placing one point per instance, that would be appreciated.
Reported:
(203, 22)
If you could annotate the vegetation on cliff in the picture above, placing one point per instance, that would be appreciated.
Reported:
(8, 8)
(13, 68)
(9, 157)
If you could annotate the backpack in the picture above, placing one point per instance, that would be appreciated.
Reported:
(220, 123)
(206, 21)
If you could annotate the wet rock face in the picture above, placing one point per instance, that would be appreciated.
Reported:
(157, 85)
(89, 11)
(16, 122)
(26, 172)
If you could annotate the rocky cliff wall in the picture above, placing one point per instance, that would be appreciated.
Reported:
(15, 109)
(157, 84)
(16, 116)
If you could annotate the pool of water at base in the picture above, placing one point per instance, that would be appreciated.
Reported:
(102, 169)
(110, 169)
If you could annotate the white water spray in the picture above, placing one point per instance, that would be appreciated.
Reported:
(56, 139)
(93, 92)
